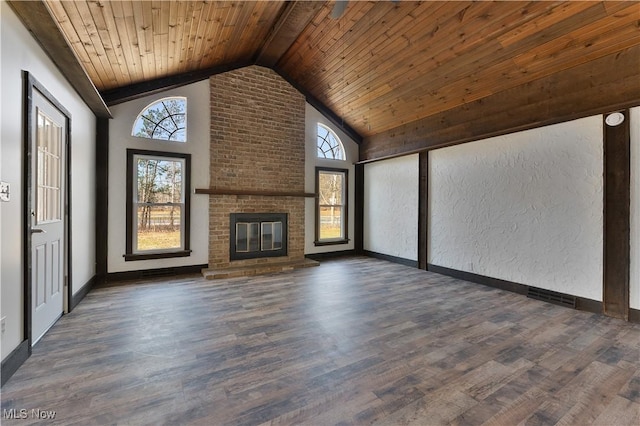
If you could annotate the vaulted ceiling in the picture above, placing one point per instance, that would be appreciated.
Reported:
(377, 66)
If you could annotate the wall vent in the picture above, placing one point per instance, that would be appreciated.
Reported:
(552, 297)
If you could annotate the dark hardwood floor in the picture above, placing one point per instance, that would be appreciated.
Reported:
(354, 341)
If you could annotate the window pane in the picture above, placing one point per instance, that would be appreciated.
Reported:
(277, 235)
(241, 237)
(267, 236)
(48, 170)
(329, 146)
(164, 119)
(159, 181)
(158, 205)
(159, 227)
(331, 188)
(254, 237)
(331, 223)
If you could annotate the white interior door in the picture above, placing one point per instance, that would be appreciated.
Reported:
(47, 215)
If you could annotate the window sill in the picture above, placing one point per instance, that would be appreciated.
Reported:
(330, 243)
(150, 256)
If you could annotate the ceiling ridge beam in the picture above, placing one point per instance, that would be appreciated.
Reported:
(293, 19)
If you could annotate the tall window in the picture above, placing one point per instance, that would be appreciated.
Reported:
(331, 206)
(329, 146)
(165, 119)
(157, 204)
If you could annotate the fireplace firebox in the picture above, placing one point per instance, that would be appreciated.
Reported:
(256, 235)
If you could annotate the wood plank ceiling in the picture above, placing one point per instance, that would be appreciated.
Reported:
(380, 65)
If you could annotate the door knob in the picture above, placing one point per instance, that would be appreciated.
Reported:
(38, 231)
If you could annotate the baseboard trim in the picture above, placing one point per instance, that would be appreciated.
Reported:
(582, 303)
(159, 272)
(394, 259)
(330, 255)
(634, 315)
(80, 294)
(589, 305)
(480, 279)
(14, 360)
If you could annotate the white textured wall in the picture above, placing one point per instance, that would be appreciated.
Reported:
(21, 52)
(634, 293)
(312, 118)
(525, 207)
(198, 119)
(391, 207)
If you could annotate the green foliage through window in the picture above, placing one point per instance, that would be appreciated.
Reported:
(165, 119)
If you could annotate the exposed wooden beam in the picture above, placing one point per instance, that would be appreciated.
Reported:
(102, 197)
(323, 109)
(606, 84)
(293, 19)
(145, 88)
(617, 231)
(36, 18)
(240, 192)
(358, 234)
(423, 210)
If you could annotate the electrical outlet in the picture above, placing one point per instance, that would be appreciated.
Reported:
(3, 324)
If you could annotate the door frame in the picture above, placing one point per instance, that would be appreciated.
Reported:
(30, 84)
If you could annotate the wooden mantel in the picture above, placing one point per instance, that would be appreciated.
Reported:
(215, 191)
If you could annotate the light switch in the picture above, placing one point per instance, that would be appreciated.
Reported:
(4, 191)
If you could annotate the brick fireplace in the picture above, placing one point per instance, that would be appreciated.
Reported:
(257, 147)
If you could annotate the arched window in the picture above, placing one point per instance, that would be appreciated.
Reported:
(329, 146)
(165, 119)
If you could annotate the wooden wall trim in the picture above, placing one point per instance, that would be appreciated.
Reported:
(582, 303)
(158, 85)
(258, 192)
(607, 84)
(330, 255)
(102, 197)
(150, 273)
(322, 108)
(36, 18)
(423, 209)
(480, 279)
(358, 232)
(14, 360)
(80, 294)
(617, 216)
(394, 259)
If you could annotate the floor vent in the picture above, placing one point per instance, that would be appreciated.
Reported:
(552, 297)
